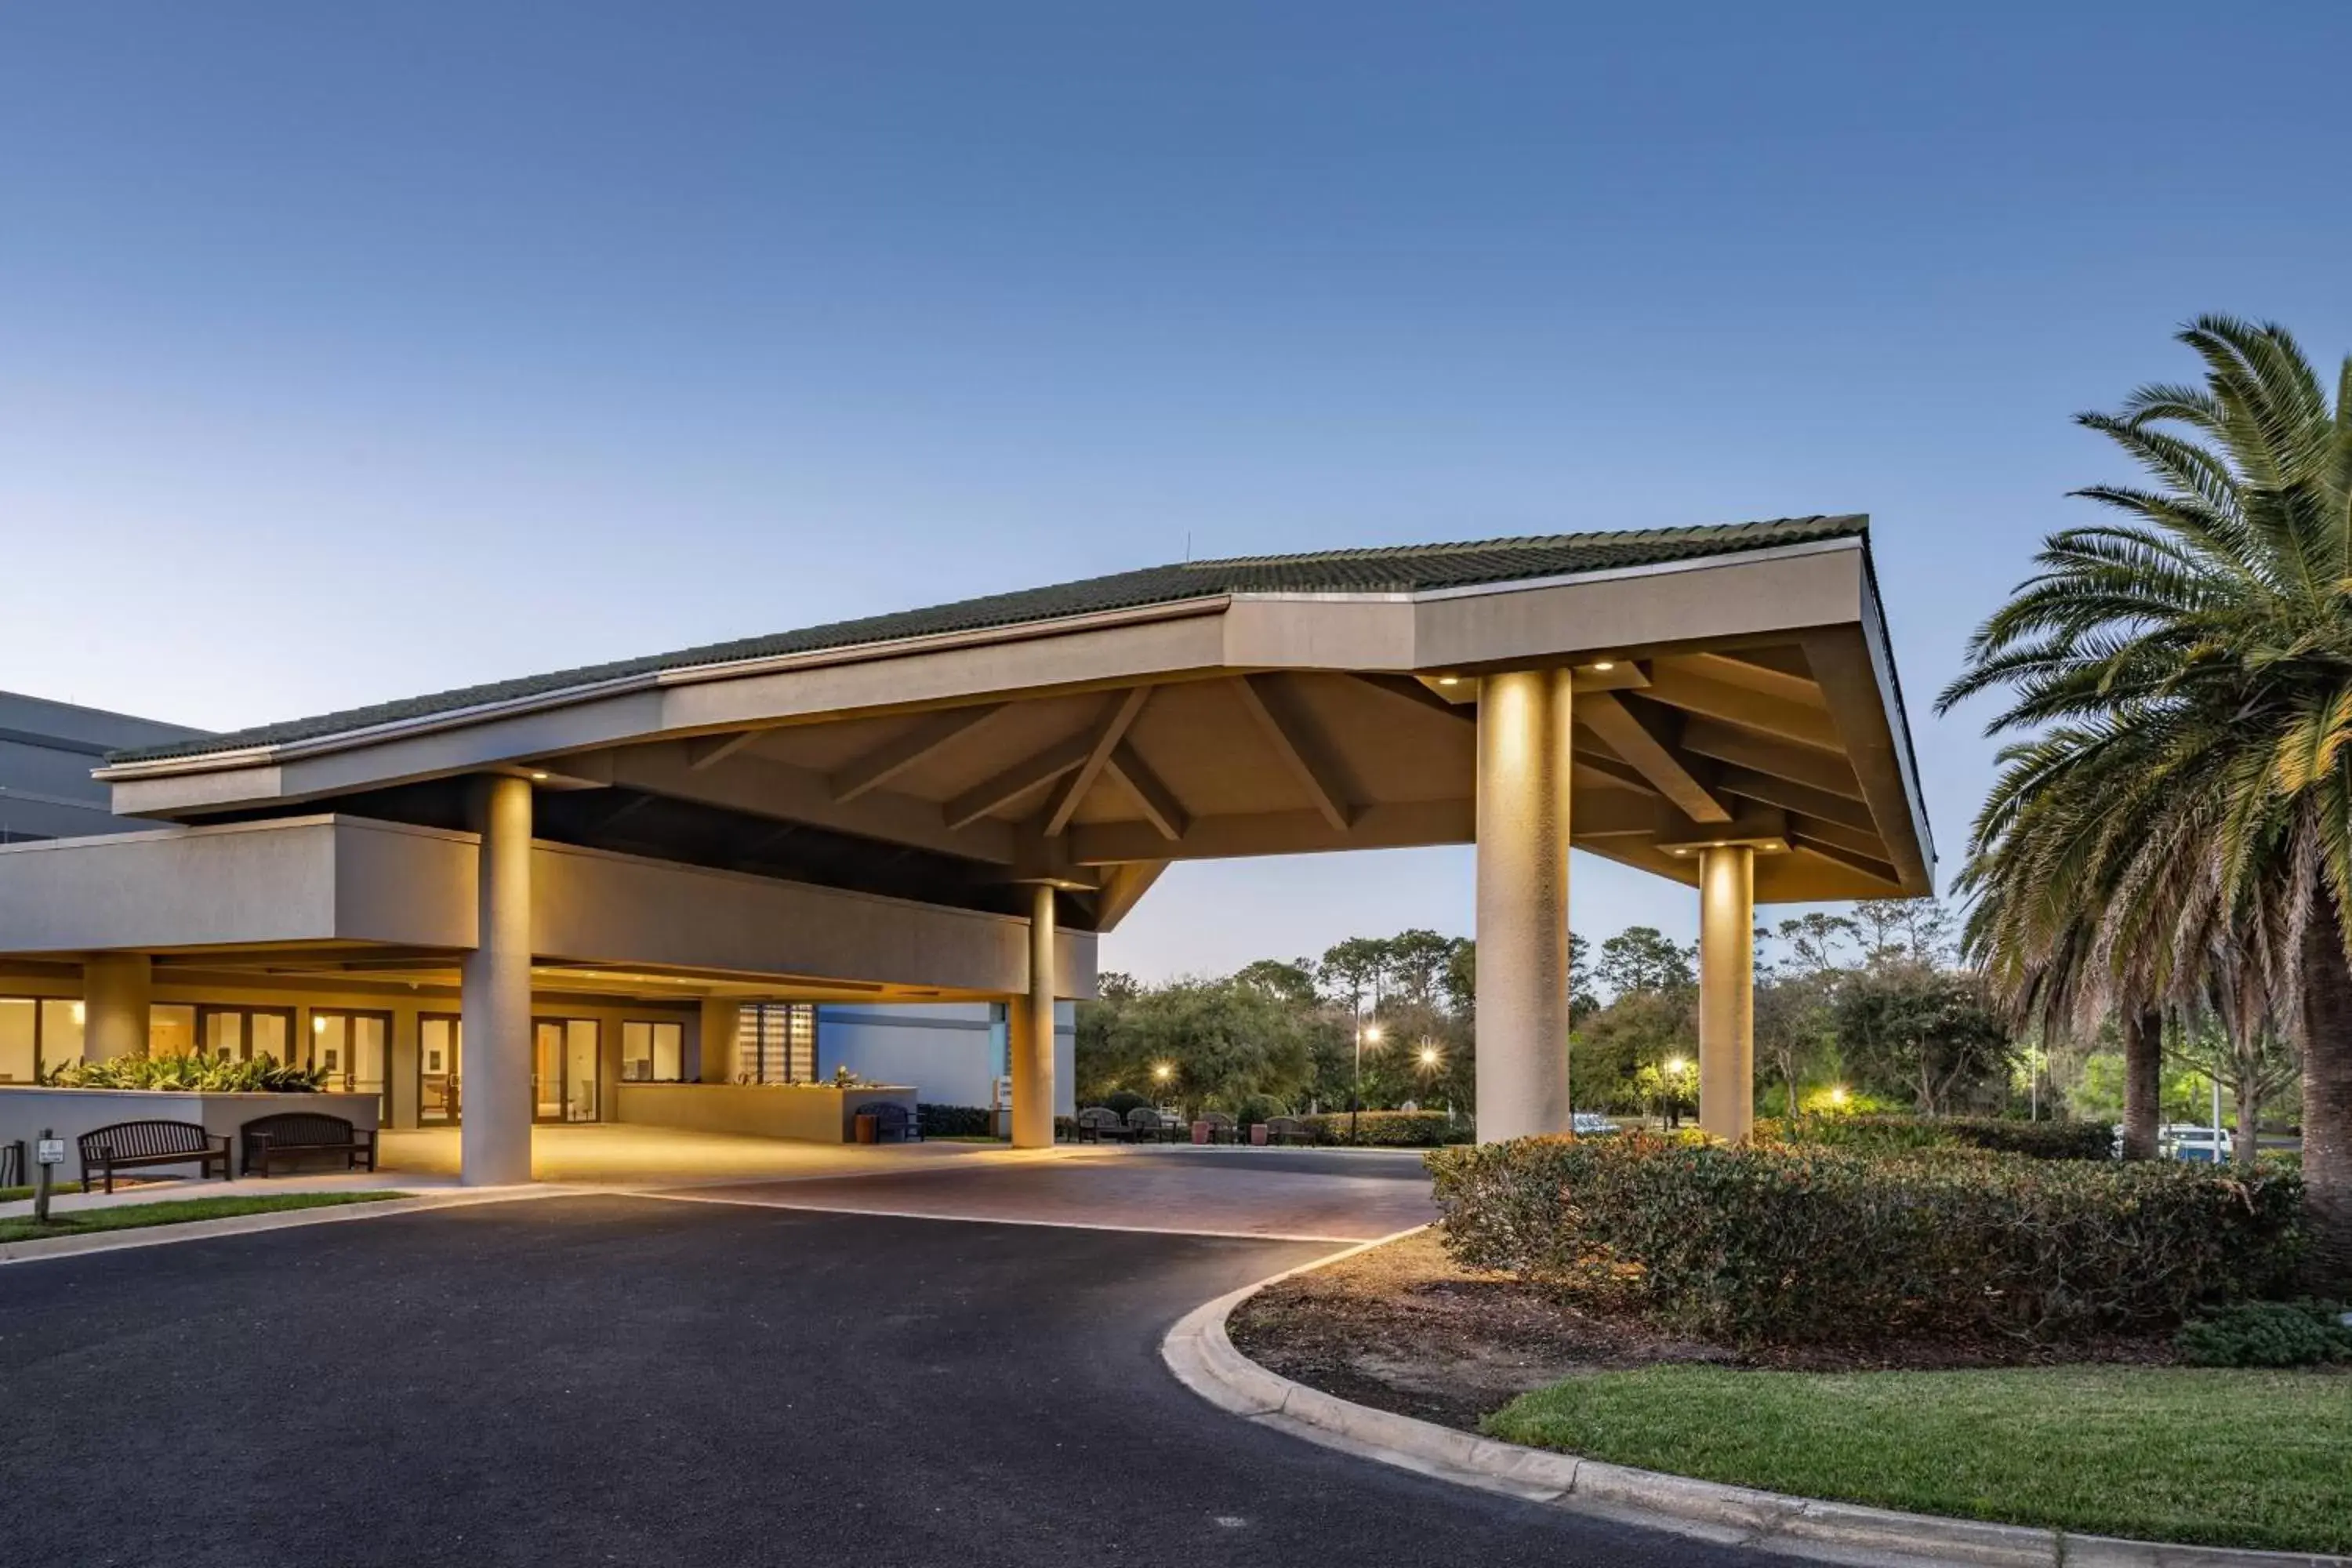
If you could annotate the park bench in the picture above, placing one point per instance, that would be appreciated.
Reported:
(292, 1134)
(1149, 1124)
(891, 1122)
(1101, 1124)
(1219, 1125)
(1286, 1130)
(128, 1145)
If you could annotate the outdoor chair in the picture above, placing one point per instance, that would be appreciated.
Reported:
(1146, 1124)
(291, 1134)
(1220, 1126)
(1286, 1130)
(892, 1124)
(127, 1145)
(1101, 1124)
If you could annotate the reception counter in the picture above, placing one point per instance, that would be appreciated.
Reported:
(816, 1113)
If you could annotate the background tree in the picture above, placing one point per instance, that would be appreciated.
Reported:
(1643, 958)
(1909, 1029)
(2184, 680)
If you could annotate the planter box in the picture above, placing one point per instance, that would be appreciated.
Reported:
(820, 1114)
(25, 1108)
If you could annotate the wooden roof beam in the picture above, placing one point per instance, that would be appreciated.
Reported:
(1645, 741)
(1109, 730)
(1296, 745)
(1005, 788)
(1787, 721)
(924, 739)
(1159, 802)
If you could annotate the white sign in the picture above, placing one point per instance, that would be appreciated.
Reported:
(51, 1152)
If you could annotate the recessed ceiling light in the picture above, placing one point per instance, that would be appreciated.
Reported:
(538, 777)
(1449, 680)
(1605, 666)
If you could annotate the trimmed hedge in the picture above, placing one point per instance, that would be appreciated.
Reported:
(2268, 1334)
(1774, 1243)
(1387, 1128)
(955, 1121)
(1895, 1135)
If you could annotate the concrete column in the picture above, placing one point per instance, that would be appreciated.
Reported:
(1033, 1033)
(1523, 827)
(116, 988)
(715, 1060)
(1726, 990)
(494, 1138)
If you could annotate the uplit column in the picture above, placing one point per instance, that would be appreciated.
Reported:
(715, 1051)
(116, 988)
(1726, 990)
(495, 1135)
(1523, 827)
(1032, 1042)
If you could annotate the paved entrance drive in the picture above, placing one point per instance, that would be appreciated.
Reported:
(1284, 1194)
(610, 1379)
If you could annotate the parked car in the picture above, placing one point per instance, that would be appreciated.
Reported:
(2188, 1141)
(1593, 1124)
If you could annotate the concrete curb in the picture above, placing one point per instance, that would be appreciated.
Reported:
(1198, 1351)
(276, 1219)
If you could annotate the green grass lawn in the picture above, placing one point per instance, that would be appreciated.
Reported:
(2236, 1459)
(176, 1211)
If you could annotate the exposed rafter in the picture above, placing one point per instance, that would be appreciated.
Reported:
(1773, 790)
(1859, 704)
(1644, 739)
(709, 751)
(1861, 864)
(1122, 886)
(761, 786)
(1807, 726)
(1749, 675)
(995, 793)
(1301, 751)
(1409, 690)
(1729, 743)
(1109, 730)
(1159, 802)
(895, 757)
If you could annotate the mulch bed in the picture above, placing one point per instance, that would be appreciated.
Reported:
(1402, 1328)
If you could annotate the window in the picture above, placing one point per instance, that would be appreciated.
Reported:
(242, 1034)
(38, 1035)
(171, 1029)
(775, 1042)
(653, 1053)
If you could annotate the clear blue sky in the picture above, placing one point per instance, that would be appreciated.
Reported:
(350, 352)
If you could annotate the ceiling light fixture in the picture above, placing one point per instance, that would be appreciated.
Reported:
(1605, 666)
(538, 777)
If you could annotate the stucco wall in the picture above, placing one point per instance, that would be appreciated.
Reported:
(71, 1112)
(818, 1115)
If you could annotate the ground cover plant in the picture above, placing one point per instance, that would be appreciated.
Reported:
(2268, 1334)
(1764, 1243)
(2238, 1459)
(1386, 1128)
(176, 1211)
(196, 1072)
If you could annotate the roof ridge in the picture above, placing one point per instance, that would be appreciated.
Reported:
(1523, 541)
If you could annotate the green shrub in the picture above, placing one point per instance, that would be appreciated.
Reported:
(1386, 1128)
(193, 1073)
(1770, 1242)
(1891, 1134)
(2267, 1333)
(955, 1121)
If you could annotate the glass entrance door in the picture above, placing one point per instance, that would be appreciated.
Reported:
(438, 1040)
(347, 1050)
(563, 1068)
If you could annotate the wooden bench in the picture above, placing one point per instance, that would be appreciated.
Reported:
(1149, 1123)
(1286, 1130)
(128, 1145)
(891, 1122)
(1101, 1124)
(291, 1134)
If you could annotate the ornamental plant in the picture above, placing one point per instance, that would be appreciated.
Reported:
(195, 1072)
(1765, 1243)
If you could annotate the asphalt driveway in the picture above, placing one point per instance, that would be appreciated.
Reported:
(631, 1379)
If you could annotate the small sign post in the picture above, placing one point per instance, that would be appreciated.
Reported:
(50, 1152)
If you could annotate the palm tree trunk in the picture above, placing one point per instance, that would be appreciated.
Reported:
(2327, 1103)
(2143, 1083)
(2249, 1093)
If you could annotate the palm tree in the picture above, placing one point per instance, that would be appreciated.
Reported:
(2184, 677)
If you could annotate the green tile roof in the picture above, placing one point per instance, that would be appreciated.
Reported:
(1396, 569)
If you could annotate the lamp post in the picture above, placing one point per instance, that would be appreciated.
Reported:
(1355, 1096)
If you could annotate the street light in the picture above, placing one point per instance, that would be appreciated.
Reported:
(1364, 1033)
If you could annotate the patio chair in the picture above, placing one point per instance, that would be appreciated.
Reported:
(1149, 1124)
(1101, 1124)
(1221, 1126)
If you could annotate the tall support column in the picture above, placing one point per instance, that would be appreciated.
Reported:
(495, 1136)
(1726, 990)
(1033, 1033)
(1523, 826)
(715, 1050)
(116, 988)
